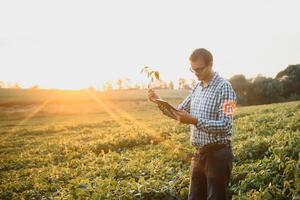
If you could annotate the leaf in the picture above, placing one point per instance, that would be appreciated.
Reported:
(152, 72)
(156, 74)
(145, 69)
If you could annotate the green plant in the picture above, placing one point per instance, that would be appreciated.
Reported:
(151, 74)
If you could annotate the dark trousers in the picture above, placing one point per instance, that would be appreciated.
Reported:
(210, 174)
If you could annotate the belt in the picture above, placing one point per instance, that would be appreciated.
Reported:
(213, 147)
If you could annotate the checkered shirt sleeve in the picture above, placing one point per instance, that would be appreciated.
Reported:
(224, 122)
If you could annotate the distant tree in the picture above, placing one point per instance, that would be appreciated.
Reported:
(120, 84)
(171, 85)
(2, 84)
(290, 79)
(136, 86)
(241, 86)
(143, 86)
(91, 88)
(107, 86)
(264, 90)
(15, 85)
(193, 83)
(127, 83)
(162, 84)
(35, 87)
(156, 84)
(187, 87)
(181, 83)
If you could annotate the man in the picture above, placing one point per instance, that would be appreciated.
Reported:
(208, 109)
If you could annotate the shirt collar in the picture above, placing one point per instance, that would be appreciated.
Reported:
(216, 74)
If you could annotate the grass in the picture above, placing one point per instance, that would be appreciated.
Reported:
(117, 145)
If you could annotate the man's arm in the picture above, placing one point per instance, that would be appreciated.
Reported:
(224, 123)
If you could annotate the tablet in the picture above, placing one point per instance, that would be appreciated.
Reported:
(166, 105)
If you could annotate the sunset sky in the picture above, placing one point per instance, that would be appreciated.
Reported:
(75, 44)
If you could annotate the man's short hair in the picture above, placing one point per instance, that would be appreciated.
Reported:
(203, 53)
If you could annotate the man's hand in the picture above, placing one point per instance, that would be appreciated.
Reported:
(185, 117)
(152, 96)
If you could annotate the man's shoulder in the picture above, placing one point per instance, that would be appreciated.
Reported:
(226, 88)
(223, 83)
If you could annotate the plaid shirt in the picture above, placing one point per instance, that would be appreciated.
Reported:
(206, 104)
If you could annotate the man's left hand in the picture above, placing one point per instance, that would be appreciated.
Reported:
(185, 117)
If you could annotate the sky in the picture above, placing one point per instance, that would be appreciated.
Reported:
(76, 44)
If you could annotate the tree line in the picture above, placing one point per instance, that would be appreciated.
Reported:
(258, 90)
(262, 90)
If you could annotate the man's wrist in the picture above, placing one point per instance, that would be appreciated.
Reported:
(194, 121)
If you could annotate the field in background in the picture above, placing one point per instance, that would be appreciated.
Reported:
(117, 145)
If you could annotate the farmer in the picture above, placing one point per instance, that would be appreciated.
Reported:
(208, 109)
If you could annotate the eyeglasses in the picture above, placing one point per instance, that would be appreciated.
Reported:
(199, 70)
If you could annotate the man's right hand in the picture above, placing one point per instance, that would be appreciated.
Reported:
(152, 96)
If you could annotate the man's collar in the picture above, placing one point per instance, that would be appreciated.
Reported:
(212, 80)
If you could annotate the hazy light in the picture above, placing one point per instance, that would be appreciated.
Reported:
(76, 44)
